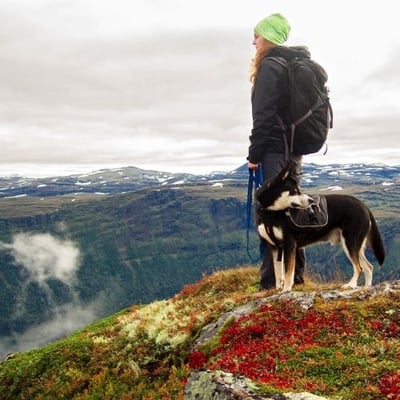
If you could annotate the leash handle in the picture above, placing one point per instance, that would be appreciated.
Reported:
(257, 179)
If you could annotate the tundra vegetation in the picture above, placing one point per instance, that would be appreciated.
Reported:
(344, 348)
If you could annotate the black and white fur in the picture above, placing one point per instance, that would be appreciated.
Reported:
(350, 222)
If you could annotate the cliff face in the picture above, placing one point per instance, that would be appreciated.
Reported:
(133, 248)
(224, 336)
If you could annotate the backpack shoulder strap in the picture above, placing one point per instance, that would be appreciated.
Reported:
(284, 62)
(280, 60)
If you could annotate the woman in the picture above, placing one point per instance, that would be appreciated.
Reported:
(269, 99)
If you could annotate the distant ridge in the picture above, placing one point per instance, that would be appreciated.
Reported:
(128, 179)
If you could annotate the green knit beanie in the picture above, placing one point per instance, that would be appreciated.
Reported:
(274, 28)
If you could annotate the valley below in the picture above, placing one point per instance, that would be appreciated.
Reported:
(76, 249)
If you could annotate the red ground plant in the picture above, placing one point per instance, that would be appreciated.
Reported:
(327, 351)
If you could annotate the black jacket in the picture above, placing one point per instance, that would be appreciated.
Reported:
(269, 98)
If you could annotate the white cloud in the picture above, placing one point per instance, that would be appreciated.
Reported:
(82, 82)
(45, 257)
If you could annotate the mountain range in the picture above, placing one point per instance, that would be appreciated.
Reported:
(127, 179)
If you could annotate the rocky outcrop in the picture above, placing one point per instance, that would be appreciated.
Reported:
(305, 299)
(219, 385)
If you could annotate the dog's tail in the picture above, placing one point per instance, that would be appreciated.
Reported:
(375, 240)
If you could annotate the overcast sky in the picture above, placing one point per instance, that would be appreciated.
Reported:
(163, 84)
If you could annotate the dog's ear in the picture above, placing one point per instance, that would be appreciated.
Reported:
(286, 172)
(285, 175)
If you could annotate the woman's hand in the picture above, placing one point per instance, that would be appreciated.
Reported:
(252, 166)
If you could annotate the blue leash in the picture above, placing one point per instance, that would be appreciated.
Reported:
(256, 179)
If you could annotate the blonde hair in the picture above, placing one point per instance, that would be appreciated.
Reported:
(260, 54)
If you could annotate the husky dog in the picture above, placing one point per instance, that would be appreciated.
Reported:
(350, 222)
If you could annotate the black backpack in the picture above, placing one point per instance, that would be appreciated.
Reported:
(310, 113)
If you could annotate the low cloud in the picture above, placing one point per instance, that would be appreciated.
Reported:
(67, 319)
(46, 258)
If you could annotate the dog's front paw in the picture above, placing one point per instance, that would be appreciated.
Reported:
(279, 284)
(349, 286)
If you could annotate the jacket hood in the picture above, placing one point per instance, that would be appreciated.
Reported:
(290, 52)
